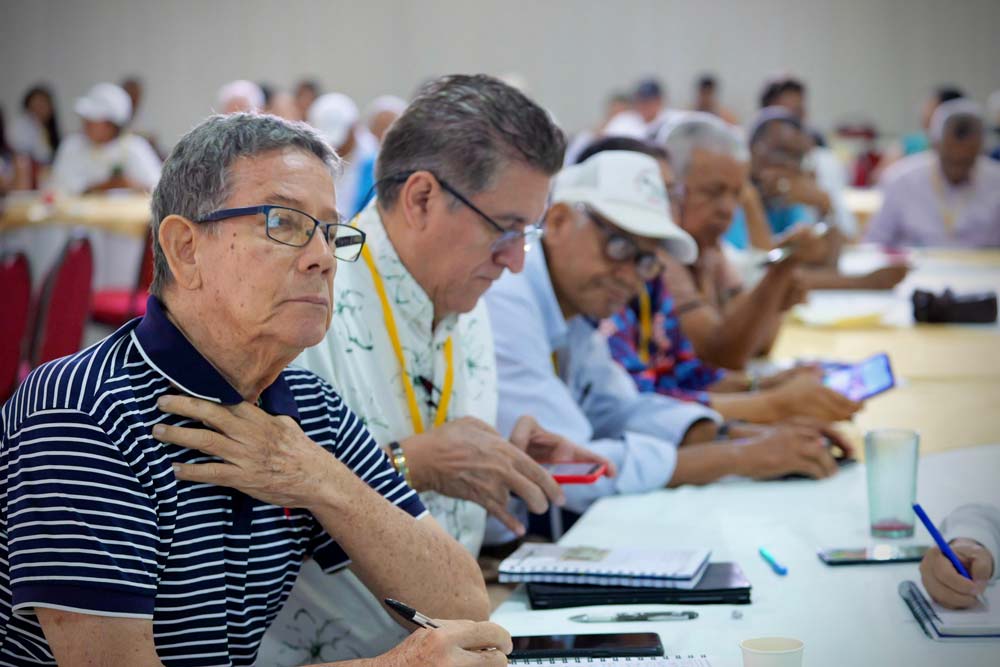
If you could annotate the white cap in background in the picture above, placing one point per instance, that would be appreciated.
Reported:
(961, 106)
(626, 124)
(396, 105)
(334, 115)
(235, 92)
(105, 101)
(627, 188)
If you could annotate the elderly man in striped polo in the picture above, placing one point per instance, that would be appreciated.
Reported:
(161, 489)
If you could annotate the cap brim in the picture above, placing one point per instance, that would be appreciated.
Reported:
(87, 109)
(643, 222)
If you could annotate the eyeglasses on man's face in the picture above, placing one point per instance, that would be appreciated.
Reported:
(618, 247)
(508, 238)
(290, 226)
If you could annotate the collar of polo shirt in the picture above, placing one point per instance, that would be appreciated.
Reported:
(166, 349)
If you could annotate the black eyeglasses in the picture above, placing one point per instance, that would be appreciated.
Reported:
(621, 248)
(293, 227)
(508, 237)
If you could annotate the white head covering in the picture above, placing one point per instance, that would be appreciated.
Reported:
(627, 188)
(105, 101)
(945, 111)
(241, 89)
(626, 124)
(397, 105)
(334, 115)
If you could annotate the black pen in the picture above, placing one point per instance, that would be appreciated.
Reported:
(408, 613)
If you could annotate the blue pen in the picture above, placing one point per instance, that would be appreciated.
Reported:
(942, 545)
(773, 562)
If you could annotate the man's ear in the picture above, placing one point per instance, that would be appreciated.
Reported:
(179, 242)
(560, 223)
(416, 198)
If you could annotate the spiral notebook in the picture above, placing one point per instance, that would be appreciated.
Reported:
(654, 568)
(978, 623)
(665, 661)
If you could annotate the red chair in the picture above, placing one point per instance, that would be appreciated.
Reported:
(115, 307)
(63, 304)
(15, 304)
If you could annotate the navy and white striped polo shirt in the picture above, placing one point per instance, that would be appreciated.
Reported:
(93, 520)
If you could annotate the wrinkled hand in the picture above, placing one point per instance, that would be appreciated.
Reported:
(266, 457)
(781, 377)
(826, 430)
(548, 447)
(468, 459)
(885, 278)
(946, 585)
(454, 644)
(789, 448)
(805, 395)
(809, 248)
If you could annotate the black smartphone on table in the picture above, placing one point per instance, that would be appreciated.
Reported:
(874, 555)
(612, 645)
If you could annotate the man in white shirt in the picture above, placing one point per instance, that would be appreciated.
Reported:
(605, 235)
(104, 156)
(463, 177)
(973, 532)
(336, 116)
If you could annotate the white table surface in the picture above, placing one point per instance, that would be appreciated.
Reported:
(849, 615)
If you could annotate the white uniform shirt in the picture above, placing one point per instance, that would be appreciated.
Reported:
(333, 617)
(27, 136)
(80, 165)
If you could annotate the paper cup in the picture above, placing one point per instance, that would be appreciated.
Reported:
(772, 652)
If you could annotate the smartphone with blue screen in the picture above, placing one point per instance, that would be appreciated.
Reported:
(864, 379)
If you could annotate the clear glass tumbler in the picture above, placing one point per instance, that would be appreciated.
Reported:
(891, 460)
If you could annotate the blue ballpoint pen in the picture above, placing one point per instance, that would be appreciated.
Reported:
(943, 545)
(773, 562)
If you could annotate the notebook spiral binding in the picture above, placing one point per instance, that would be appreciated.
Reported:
(692, 660)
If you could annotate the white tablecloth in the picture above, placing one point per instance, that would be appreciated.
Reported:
(845, 615)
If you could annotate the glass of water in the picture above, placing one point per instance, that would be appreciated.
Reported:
(891, 460)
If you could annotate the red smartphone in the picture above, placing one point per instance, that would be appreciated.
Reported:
(576, 473)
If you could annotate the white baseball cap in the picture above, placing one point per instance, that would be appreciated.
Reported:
(334, 115)
(244, 94)
(105, 101)
(627, 188)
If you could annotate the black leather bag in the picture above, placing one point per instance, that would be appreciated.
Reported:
(980, 308)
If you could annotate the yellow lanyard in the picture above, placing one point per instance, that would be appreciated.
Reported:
(645, 324)
(949, 214)
(390, 327)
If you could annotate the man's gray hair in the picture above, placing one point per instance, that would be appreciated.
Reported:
(700, 131)
(465, 129)
(196, 178)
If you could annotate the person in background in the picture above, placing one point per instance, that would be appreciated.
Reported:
(240, 96)
(829, 174)
(410, 349)
(706, 99)
(919, 141)
(382, 113)
(973, 533)
(336, 117)
(135, 88)
(727, 324)
(282, 104)
(993, 119)
(15, 169)
(306, 91)
(616, 104)
(35, 133)
(649, 100)
(606, 232)
(948, 196)
(646, 339)
(165, 485)
(105, 155)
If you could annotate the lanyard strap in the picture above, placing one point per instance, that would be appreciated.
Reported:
(949, 214)
(390, 327)
(645, 324)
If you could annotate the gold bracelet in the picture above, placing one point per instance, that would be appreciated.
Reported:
(398, 458)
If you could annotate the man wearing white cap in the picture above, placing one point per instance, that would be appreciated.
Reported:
(949, 196)
(336, 115)
(104, 156)
(606, 233)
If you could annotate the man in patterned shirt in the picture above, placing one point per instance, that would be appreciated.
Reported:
(161, 489)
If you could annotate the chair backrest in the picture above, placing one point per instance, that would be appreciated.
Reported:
(64, 304)
(15, 303)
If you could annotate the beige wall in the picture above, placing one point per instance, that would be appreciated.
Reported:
(876, 56)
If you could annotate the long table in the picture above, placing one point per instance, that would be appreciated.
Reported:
(115, 225)
(845, 615)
